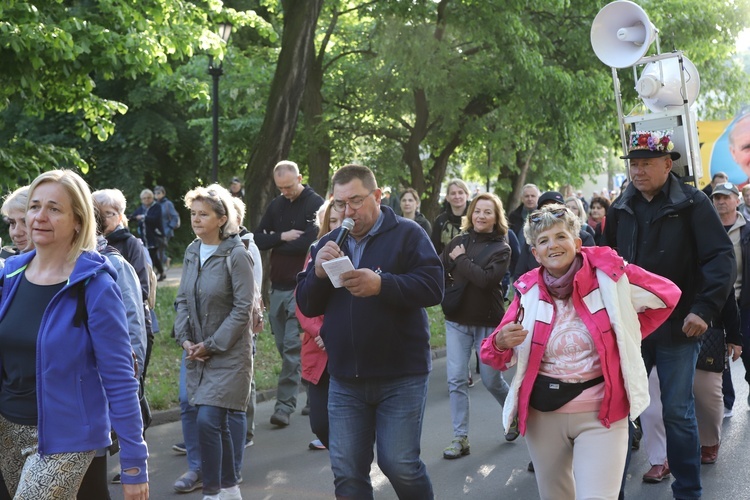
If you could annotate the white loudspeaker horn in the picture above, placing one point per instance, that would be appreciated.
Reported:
(660, 85)
(621, 34)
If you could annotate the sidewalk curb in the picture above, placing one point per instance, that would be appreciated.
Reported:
(173, 414)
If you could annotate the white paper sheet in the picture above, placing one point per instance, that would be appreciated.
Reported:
(336, 267)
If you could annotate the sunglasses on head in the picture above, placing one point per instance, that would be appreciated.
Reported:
(538, 215)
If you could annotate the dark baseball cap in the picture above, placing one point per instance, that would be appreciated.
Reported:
(550, 197)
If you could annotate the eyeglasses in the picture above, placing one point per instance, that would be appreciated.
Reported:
(354, 203)
(537, 216)
(519, 314)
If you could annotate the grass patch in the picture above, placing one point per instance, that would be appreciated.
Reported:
(162, 385)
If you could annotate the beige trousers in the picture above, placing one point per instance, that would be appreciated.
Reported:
(575, 456)
(709, 406)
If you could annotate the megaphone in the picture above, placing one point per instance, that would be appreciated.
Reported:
(660, 85)
(621, 34)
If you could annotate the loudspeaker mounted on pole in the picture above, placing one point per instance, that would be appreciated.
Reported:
(621, 35)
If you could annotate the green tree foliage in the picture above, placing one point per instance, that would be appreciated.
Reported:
(54, 55)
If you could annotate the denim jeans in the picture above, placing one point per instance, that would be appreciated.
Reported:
(460, 341)
(387, 412)
(286, 332)
(675, 362)
(217, 452)
(188, 415)
(189, 418)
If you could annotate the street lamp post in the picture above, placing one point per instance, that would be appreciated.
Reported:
(225, 29)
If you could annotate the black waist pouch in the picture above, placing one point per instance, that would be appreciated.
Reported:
(549, 393)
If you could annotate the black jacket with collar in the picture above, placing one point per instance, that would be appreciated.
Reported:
(687, 245)
(482, 300)
(288, 257)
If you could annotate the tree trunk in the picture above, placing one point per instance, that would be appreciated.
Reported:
(319, 148)
(277, 132)
(517, 177)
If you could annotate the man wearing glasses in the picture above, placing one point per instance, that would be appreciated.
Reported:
(377, 338)
(671, 229)
(287, 229)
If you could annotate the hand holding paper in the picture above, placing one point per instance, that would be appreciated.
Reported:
(336, 267)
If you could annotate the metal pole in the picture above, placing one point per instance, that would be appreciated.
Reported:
(215, 72)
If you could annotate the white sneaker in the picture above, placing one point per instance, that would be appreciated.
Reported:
(728, 413)
(232, 493)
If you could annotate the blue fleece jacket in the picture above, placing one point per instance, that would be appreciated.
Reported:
(84, 376)
(387, 335)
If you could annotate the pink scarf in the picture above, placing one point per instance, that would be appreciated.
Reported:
(562, 287)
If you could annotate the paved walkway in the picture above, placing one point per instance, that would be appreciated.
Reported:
(281, 467)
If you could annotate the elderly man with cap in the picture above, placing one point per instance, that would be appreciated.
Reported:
(671, 229)
(726, 199)
(526, 261)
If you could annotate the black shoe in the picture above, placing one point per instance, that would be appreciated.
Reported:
(530, 468)
(306, 410)
(162, 277)
(280, 419)
(179, 448)
(116, 479)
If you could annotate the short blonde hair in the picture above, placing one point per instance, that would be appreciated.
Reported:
(550, 215)
(501, 224)
(81, 203)
(461, 185)
(285, 166)
(112, 198)
(220, 201)
(239, 206)
(15, 201)
(581, 211)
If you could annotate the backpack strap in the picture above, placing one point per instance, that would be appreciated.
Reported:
(81, 316)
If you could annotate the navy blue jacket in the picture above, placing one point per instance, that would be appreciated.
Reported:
(387, 335)
(85, 384)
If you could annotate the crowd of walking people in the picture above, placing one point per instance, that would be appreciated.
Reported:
(620, 316)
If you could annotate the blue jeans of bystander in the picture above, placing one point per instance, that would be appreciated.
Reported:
(675, 362)
(389, 413)
(460, 341)
(217, 452)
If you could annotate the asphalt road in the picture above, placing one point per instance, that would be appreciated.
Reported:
(281, 467)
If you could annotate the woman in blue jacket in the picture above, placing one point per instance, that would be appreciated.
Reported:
(66, 362)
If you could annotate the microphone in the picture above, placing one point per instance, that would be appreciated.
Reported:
(346, 226)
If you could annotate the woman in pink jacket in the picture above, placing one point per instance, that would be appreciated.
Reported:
(314, 357)
(580, 372)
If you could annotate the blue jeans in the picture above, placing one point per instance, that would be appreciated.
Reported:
(460, 341)
(189, 418)
(387, 412)
(286, 332)
(675, 362)
(188, 415)
(217, 452)
(237, 433)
